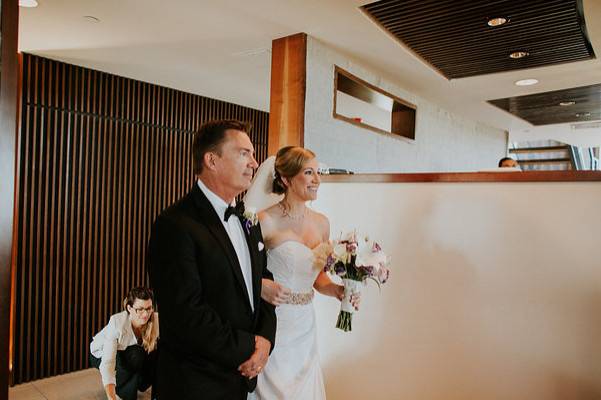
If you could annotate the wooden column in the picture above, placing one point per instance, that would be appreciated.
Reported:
(8, 134)
(288, 85)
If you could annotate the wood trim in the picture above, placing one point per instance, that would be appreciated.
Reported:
(546, 149)
(545, 161)
(372, 128)
(287, 95)
(338, 70)
(8, 156)
(525, 176)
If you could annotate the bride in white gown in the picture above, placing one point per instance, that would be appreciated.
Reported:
(296, 238)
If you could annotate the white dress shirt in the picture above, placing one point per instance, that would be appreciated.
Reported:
(234, 230)
(117, 335)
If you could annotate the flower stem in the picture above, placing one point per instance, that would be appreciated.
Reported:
(344, 321)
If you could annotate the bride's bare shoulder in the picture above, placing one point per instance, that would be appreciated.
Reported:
(268, 219)
(268, 214)
(322, 222)
(319, 217)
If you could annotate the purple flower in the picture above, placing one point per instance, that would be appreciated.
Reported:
(368, 270)
(376, 248)
(340, 269)
(247, 224)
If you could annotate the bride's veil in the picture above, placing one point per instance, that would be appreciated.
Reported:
(259, 196)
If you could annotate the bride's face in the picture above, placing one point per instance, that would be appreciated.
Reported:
(305, 184)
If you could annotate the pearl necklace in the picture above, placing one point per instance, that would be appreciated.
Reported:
(287, 214)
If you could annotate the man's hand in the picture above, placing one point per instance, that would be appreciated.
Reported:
(274, 293)
(257, 361)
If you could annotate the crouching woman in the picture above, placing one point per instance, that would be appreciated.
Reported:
(125, 349)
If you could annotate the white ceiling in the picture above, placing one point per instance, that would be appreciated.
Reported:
(221, 49)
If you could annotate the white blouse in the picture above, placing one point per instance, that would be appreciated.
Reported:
(117, 335)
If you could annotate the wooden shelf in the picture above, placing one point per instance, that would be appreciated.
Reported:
(525, 176)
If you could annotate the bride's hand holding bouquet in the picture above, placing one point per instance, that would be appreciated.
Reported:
(355, 259)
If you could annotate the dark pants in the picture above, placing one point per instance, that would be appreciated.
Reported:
(135, 370)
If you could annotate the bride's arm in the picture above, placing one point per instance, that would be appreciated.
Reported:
(323, 284)
(274, 293)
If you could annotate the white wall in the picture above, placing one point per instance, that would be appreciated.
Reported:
(352, 107)
(495, 293)
(444, 141)
(587, 134)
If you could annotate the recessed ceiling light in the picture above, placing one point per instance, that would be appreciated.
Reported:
(584, 114)
(567, 103)
(28, 3)
(526, 82)
(519, 54)
(91, 18)
(497, 21)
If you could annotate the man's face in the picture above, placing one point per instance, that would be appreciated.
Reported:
(509, 164)
(236, 163)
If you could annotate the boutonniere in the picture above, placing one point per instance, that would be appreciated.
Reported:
(250, 218)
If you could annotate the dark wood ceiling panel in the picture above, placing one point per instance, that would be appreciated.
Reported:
(454, 37)
(544, 108)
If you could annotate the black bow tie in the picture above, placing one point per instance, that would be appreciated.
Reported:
(238, 211)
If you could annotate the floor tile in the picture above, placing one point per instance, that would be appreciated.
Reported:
(80, 385)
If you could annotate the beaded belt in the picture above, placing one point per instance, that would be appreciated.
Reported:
(300, 298)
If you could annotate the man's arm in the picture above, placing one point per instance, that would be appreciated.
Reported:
(266, 327)
(267, 320)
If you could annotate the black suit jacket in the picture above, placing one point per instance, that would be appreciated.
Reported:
(207, 327)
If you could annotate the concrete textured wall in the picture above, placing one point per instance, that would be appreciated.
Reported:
(444, 141)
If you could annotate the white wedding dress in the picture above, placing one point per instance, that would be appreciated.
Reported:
(293, 371)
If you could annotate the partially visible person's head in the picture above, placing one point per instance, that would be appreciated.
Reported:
(139, 306)
(296, 170)
(508, 162)
(223, 150)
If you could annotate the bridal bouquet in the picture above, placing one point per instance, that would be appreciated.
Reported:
(355, 259)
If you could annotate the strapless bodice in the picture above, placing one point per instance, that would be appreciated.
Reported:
(291, 263)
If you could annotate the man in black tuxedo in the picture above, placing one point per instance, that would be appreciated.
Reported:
(206, 262)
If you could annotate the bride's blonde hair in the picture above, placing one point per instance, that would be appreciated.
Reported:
(289, 161)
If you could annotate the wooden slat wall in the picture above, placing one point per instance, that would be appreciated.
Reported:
(100, 157)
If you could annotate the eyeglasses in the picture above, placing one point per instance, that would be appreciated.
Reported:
(141, 310)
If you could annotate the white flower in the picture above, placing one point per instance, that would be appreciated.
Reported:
(321, 254)
(369, 254)
(340, 252)
(250, 214)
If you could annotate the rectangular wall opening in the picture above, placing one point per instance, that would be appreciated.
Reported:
(367, 106)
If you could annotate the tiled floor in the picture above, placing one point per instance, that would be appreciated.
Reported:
(81, 385)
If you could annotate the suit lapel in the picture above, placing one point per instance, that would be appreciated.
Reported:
(212, 221)
(256, 266)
